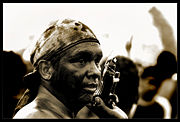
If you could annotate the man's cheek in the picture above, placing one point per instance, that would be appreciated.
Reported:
(78, 76)
(73, 80)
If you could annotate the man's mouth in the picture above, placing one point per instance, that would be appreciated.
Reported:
(90, 88)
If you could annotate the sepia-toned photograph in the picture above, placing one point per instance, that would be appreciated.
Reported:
(89, 61)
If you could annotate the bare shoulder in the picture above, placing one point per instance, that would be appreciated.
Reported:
(31, 111)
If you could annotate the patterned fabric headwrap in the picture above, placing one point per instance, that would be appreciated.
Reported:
(59, 37)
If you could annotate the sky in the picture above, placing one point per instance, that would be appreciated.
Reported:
(113, 24)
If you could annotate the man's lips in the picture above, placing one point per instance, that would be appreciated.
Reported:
(90, 88)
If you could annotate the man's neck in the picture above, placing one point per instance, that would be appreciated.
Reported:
(143, 102)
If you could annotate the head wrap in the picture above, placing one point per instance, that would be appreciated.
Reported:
(59, 37)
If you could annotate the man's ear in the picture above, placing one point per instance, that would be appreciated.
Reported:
(46, 69)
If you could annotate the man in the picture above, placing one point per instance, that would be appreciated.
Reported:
(67, 72)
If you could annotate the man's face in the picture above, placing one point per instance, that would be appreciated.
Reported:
(79, 72)
(147, 89)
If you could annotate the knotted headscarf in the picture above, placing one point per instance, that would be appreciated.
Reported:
(60, 36)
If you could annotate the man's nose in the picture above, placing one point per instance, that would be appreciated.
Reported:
(94, 71)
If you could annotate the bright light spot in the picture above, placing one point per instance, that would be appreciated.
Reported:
(26, 55)
(174, 77)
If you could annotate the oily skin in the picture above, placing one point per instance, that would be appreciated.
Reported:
(77, 69)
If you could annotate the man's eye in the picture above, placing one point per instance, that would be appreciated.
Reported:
(82, 61)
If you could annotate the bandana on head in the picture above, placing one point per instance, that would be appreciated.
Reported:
(59, 37)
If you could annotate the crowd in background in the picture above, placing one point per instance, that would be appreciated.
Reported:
(143, 92)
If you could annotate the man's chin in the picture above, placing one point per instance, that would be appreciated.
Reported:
(148, 96)
(86, 98)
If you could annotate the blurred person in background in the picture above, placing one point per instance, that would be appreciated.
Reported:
(169, 86)
(151, 104)
(127, 87)
(160, 81)
(13, 71)
(66, 74)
